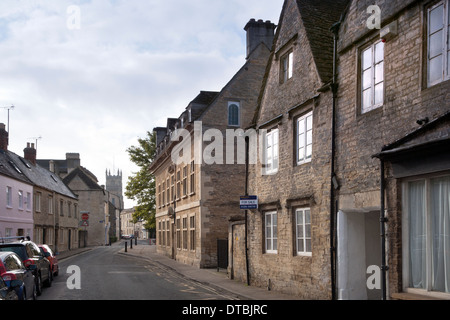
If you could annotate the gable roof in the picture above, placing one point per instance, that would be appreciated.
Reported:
(9, 168)
(85, 175)
(40, 176)
(318, 16)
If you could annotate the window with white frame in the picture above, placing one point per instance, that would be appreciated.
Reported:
(426, 233)
(20, 194)
(303, 231)
(372, 77)
(438, 43)
(192, 233)
(271, 235)
(28, 201)
(9, 197)
(287, 66)
(271, 151)
(233, 113)
(304, 138)
(37, 201)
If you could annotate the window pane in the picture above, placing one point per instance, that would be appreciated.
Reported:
(309, 137)
(436, 19)
(440, 216)
(366, 58)
(417, 234)
(379, 72)
(435, 45)
(301, 153)
(308, 245)
(309, 123)
(308, 151)
(307, 216)
(379, 93)
(367, 100)
(300, 230)
(291, 64)
(367, 79)
(300, 247)
(301, 125)
(435, 69)
(379, 52)
(301, 140)
(308, 230)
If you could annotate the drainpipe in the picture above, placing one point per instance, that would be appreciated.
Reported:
(383, 220)
(246, 222)
(333, 182)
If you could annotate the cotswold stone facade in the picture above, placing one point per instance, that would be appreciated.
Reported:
(196, 198)
(289, 233)
(407, 127)
(329, 186)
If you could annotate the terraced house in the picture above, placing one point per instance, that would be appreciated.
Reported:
(195, 198)
(356, 132)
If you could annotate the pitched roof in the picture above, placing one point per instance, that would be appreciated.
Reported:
(317, 18)
(40, 176)
(9, 168)
(85, 175)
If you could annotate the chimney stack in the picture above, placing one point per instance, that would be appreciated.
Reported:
(257, 32)
(3, 137)
(73, 161)
(30, 153)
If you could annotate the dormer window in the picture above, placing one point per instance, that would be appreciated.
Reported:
(287, 66)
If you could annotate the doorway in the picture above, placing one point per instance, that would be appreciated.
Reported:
(358, 247)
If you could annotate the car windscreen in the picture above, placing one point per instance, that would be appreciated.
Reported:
(19, 249)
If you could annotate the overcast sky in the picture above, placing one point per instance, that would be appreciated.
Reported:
(93, 76)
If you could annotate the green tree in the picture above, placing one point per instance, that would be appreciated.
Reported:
(141, 185)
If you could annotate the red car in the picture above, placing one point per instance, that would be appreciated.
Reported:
(48, 253)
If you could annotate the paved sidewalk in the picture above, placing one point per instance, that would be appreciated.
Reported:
(207, 276)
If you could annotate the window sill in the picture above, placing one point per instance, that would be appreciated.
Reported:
(412, 296)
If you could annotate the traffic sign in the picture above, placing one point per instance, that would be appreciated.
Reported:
(248, 202)
(85, 216)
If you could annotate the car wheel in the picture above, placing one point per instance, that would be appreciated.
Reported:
(34, 295)
(48, 282)
(38, 285)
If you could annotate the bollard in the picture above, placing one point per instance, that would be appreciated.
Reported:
(126, 245)
(135, 241)
(131, 243)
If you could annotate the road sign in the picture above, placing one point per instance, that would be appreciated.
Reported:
(249, 202)
(85, 223)
(85, 216)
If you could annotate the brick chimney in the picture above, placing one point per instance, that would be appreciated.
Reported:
(257, 32)
(3, 137)
(30, 153)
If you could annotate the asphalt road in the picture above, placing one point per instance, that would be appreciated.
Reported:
(105, 274)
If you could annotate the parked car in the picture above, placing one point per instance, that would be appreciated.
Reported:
(11, 270)
(7, 293)
(51, 256)
(30, 255)
(126, 236)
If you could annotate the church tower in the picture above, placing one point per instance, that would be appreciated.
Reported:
(114, 185)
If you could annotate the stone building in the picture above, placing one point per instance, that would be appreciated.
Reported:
(102, 206)
(353, 154)
(196, 196)
(288, 236)
(392, 150)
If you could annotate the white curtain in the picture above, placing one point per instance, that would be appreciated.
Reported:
(417, 234)
(440, 211)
